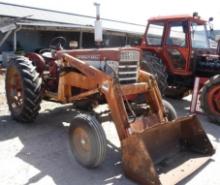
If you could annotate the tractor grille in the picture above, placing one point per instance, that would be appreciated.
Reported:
(128, 66)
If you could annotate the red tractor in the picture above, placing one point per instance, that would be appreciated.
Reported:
(177, 49)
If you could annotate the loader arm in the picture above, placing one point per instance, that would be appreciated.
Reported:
(95, 81)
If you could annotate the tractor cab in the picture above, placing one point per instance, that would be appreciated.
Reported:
(175, 39)
(176, 49)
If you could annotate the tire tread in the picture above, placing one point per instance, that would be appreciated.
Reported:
(32, 89)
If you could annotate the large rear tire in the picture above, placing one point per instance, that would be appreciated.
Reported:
(154, 65)
(23, 89)
(177, 92)
(87, 140)
(210, 99)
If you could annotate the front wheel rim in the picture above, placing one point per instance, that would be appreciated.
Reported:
(81, 144)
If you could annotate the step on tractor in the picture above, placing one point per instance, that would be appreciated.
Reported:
(176, 50)
(156, 147)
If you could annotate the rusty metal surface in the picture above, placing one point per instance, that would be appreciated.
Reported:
(153, 94)
(136, 88)
(38, 60)
(100, 54)
(15, 90)
(143, 123)
(137, 163)
(82, 142)
(163, 147)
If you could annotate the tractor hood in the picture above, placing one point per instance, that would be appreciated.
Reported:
(121, 63)
(102, 54)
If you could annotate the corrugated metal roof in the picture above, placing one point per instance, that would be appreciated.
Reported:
(52, 16)
(40, 25)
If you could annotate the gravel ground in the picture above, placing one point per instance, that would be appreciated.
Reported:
(38, 153)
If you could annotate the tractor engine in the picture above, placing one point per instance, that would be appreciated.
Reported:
(122, 64)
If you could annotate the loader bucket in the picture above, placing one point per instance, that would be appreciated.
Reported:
(166, 153)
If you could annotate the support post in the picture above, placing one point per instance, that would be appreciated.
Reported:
(15, 41)
(80, 38)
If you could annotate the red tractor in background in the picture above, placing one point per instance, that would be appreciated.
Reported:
(177, 50)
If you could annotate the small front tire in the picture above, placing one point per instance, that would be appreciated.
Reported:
(169, 110)
(87, 140)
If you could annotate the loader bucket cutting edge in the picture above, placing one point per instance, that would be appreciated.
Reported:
(166, 153)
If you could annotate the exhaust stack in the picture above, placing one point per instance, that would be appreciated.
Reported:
(98, 25)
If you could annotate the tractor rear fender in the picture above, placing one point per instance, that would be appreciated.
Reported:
(37, 60)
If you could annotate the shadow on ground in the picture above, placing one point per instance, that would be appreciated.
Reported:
(45, 147)
(183, 108)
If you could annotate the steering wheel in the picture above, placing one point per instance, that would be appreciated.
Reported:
(57, 43)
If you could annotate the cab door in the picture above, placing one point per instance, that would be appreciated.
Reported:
(176, 47)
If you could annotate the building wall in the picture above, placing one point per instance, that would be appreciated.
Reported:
(8, 44)
(28, 40)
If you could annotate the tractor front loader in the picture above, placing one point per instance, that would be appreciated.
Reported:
(154, 150)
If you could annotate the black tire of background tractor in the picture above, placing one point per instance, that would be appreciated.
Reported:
(170, 111)
(208, 101)
(177, 93)
(154, 65)
(28, 91)
(87, 140)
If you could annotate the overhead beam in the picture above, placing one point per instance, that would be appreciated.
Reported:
(15, 41)
(81, 39)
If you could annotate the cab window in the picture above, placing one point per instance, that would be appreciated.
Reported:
(177, 34)
(155, 33)
(199, 36)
